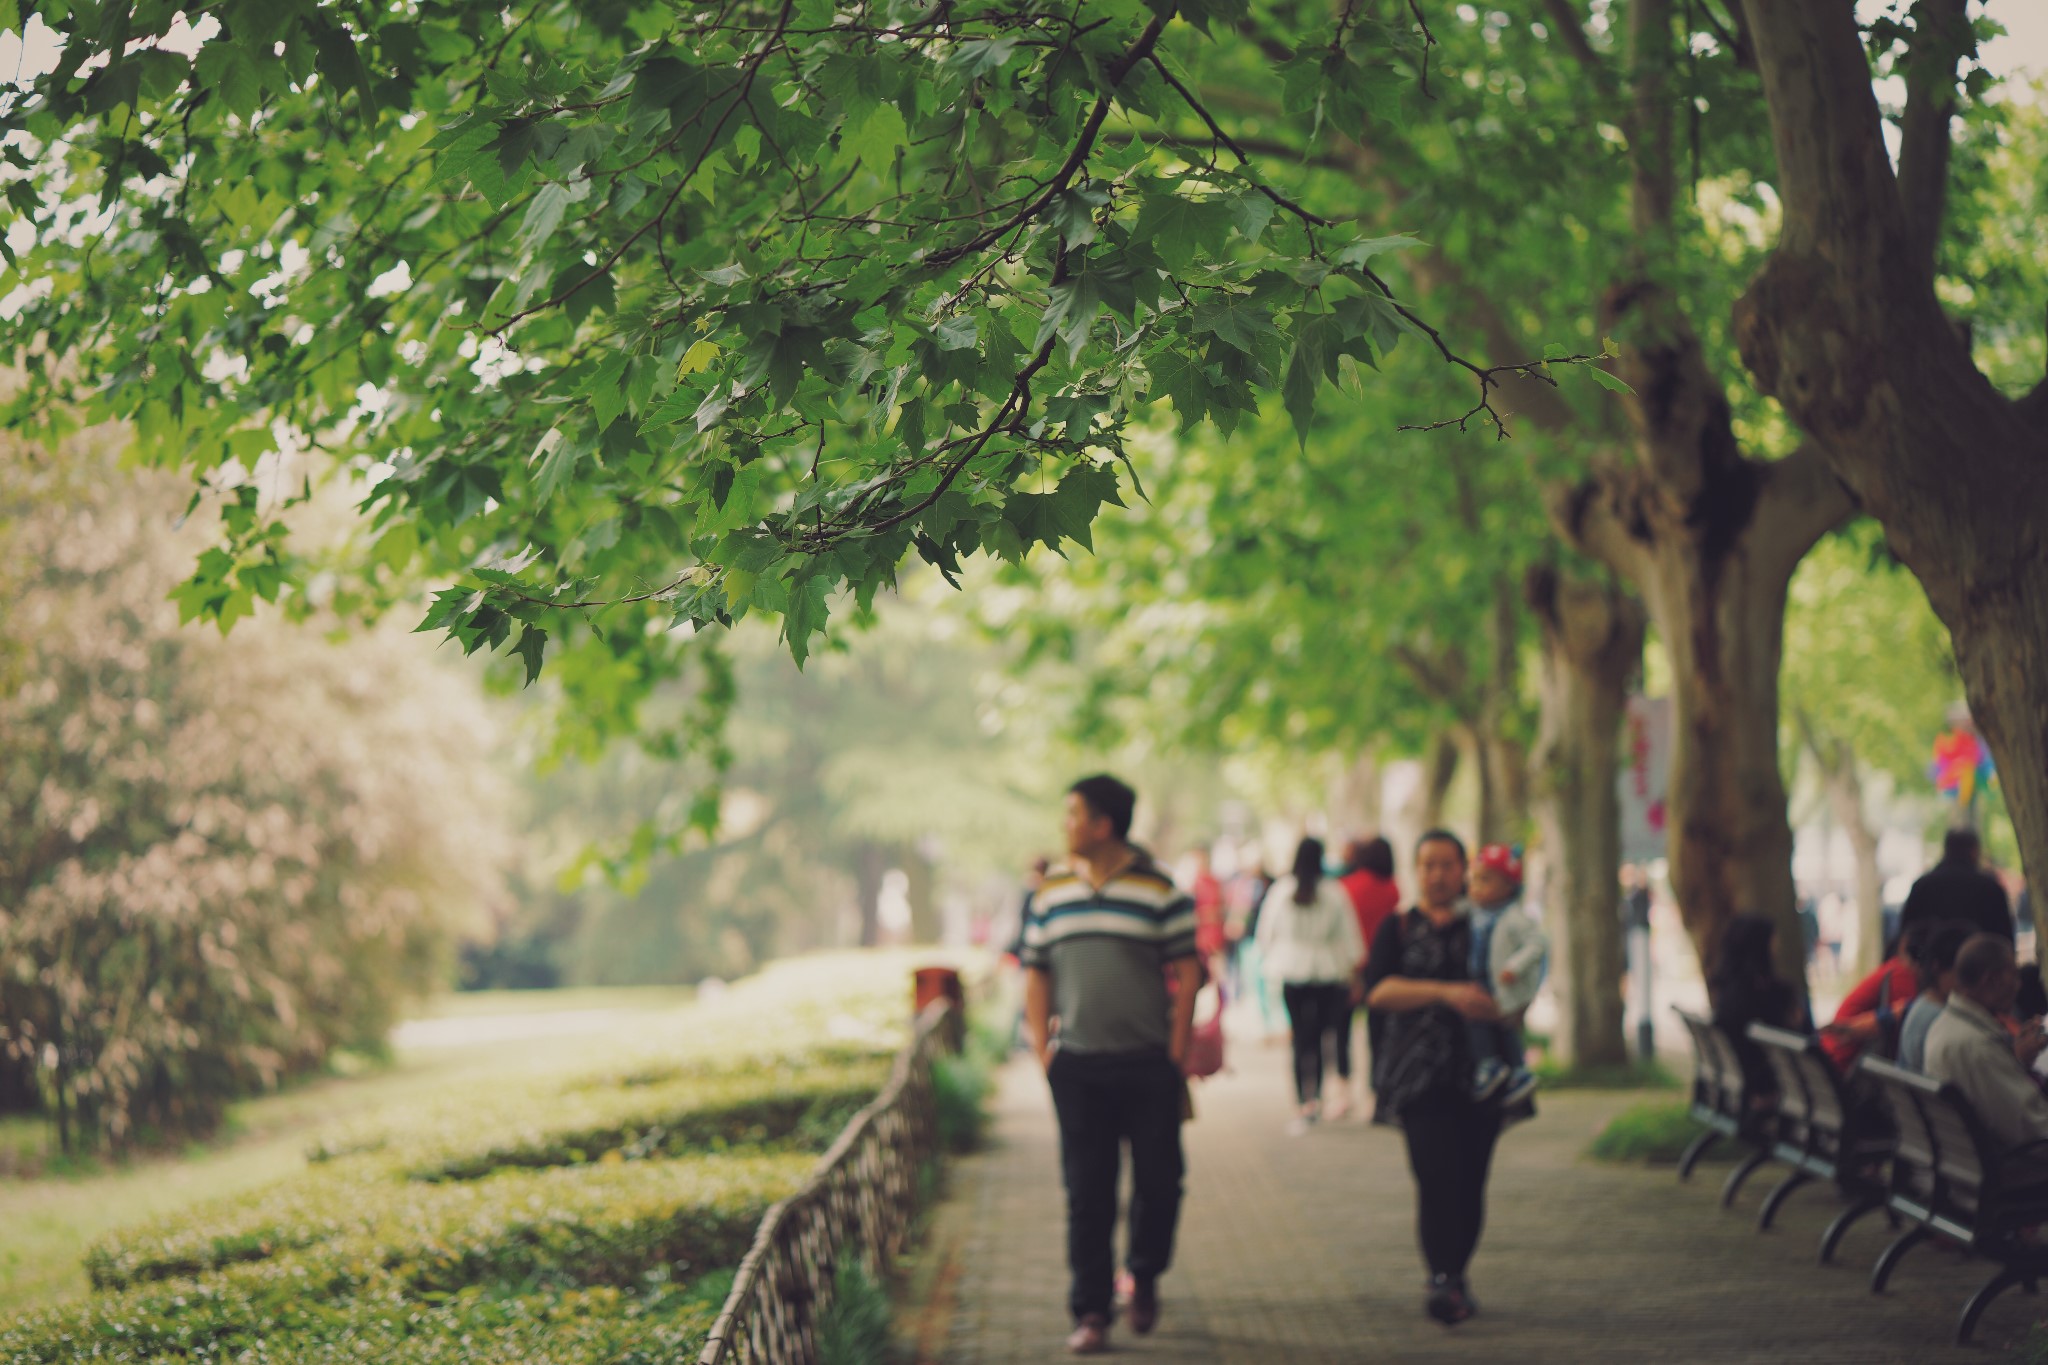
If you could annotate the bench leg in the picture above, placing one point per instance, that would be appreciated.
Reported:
(1694, 1150)
(1748, 1168)
(1974, 1309)
(1775, 1200)
(1893, 1254)
(1832, 1238)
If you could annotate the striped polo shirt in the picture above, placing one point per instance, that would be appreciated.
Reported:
(1107, 949)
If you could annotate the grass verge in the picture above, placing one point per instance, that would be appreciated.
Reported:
(1653, 1133)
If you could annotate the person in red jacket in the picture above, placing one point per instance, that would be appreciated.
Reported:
(1871, 1013)
(1369, 880)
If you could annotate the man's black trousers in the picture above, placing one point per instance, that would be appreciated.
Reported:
(1104, 1101)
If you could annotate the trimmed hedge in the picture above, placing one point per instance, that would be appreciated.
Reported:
(565, 1226)
(803, 1112)
(470, 1135)
(224, 1320)
(572, 1216)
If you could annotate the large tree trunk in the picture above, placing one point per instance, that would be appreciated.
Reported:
(870, 865)
(1844, 328)
(18, 1093)
(1440, 769)
(1714, 568)
(1503, 758)
(1503, 789)
(1842, 780)
(1592, 644)
(1711, 538)
(922, 893)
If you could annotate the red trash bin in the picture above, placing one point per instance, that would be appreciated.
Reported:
(941, 983)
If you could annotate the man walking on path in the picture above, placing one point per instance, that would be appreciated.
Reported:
(1959, 889)
(1103, 935)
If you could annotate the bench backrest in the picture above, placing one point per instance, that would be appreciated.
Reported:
(1944, 1154)
(1717, 1072)
(1797, 1103)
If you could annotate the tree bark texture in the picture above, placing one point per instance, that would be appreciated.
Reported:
(1714, 569)
(1592, 643)
(1711, 537)
(1844, 328)
(1841, 780)
(870, 864)
(1440, 769)
(1845, 797)
(923, 895)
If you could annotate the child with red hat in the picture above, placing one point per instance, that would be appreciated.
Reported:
(1509, 951)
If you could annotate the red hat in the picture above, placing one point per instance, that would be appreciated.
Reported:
(1502, 859)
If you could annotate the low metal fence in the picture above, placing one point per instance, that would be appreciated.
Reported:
(857, 1206)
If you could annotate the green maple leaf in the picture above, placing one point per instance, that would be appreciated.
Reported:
(1178, 227)
(531, 648)
(1237, 321)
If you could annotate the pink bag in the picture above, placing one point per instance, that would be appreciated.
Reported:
(1205, 1042)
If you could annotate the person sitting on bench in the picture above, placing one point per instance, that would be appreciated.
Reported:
(1971, 1048)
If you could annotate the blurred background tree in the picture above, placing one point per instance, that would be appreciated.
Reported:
(220, 858)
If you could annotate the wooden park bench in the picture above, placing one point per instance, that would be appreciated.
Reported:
(1948, 1179)
(1720, 1105)
(1819, 1133)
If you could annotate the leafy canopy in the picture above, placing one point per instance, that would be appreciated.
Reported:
(631, 317)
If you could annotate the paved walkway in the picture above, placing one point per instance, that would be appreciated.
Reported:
(1302, 1250)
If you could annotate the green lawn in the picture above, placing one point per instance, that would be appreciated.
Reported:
(47, 1222)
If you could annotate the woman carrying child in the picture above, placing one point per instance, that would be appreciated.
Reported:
(1421, 973)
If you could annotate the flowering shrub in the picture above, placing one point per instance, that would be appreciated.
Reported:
(220, 859)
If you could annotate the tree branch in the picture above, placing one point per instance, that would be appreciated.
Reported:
(1940, 42)
(1799, 500)
(1597, 517)
(1571, 31)
(1443, 680)
(1653, 174)
(1078, 157)
(1216, 131)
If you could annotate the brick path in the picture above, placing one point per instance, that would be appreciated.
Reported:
(1302, 1250)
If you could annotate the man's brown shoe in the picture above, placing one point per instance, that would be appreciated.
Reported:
(1091, 1336)
(1144, 1313)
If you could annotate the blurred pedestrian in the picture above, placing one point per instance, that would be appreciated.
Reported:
(1208, 897)
(1106, 933)
(1369, 880)
(1420, 973)
(1510, 952)
(1959, 888)
(1251, 887)
(1308, 939)
(1034, 877)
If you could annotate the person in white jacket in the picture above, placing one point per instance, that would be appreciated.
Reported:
(1309, 942)
(1509, 953)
